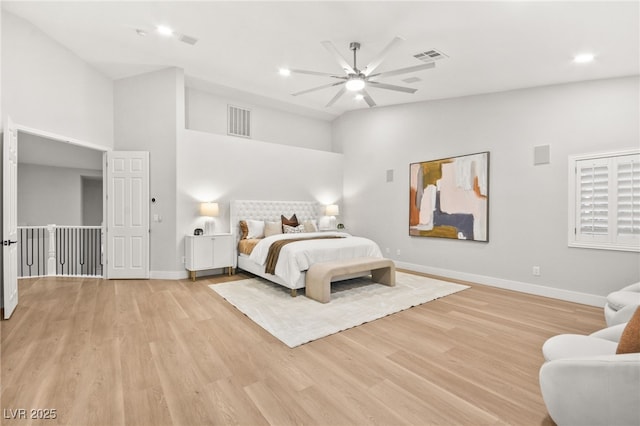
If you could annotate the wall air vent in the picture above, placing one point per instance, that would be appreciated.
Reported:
(430, 55)
(238, 121)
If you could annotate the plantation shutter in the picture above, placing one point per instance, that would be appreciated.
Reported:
(606, 196)
(593, 199)
(628, 212)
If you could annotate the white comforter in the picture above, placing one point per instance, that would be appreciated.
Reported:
(297, 257)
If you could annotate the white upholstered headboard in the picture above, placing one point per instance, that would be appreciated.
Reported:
(271, 211)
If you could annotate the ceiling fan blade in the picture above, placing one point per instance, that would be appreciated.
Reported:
(322, 74)
(378, 59)
(392, 87)
(368, 98)
(343, 63)
(404, 70)
(336, 97)
(324, 86)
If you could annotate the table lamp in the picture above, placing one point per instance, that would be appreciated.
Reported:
(332, 211)
(209, 210)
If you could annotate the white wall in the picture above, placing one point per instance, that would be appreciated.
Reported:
(47, 87)
(528, 204)
(50, 195)
(1, 172)
(92, 198)
(207, 112)
(149, 111)
(223, 168)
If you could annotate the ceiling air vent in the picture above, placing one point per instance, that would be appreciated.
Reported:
(238, 121)
(187, 39)
(411, 80)
(430, 55)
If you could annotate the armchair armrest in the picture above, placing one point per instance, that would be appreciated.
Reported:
(622, 316)
(602, 390)
(632, 287)
(612, 333)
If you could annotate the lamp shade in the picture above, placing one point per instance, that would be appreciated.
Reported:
(332, 210)
(209, 209)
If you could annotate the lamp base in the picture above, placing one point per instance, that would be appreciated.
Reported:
(209, 227)
(327, 223)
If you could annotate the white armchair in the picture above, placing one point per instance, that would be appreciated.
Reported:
(622, 304)
(584, 382)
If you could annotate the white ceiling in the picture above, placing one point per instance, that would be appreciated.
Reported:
(492, 46)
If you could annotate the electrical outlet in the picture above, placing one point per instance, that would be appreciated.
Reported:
(398, 252)
(183, 260)
(387, 250)
(536, 271)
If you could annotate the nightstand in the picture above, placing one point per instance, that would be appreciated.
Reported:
(203, 252)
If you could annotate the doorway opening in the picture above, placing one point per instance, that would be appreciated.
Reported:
(59, 206)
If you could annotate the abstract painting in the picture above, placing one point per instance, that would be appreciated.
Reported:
(449, 198)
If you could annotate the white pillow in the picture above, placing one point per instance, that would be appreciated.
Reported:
(256, 229)
(310, 226)
(293, 229)
(272, 228)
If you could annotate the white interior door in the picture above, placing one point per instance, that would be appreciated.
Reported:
(10, 218)
(127, 214)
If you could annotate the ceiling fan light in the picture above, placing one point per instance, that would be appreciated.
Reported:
(355, 84)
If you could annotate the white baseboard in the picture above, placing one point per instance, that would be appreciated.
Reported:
(183, 275)
(169, 275)
(538, 290)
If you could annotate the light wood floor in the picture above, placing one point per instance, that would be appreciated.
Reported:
(174, 352)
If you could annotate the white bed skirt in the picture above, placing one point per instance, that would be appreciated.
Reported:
(246, 264)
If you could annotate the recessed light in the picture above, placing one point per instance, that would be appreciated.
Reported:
(284, 72)
(583, 58)
(164, 30)
(359, 97)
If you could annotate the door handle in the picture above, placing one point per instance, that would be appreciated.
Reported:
(8, 242)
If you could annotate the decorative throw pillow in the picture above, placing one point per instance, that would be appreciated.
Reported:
(272, 228)
(293, 221)
(256, 229)
(244, 230)
(293, 229)
(630, 340)
(310, 226)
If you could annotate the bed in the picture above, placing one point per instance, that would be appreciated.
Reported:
(295, 258)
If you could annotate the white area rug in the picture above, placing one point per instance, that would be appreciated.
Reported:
(298, 320)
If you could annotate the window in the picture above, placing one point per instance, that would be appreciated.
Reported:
(604, 201)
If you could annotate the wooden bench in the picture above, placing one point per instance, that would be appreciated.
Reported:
(319, 275)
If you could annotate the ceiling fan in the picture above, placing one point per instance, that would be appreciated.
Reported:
(357, 80)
